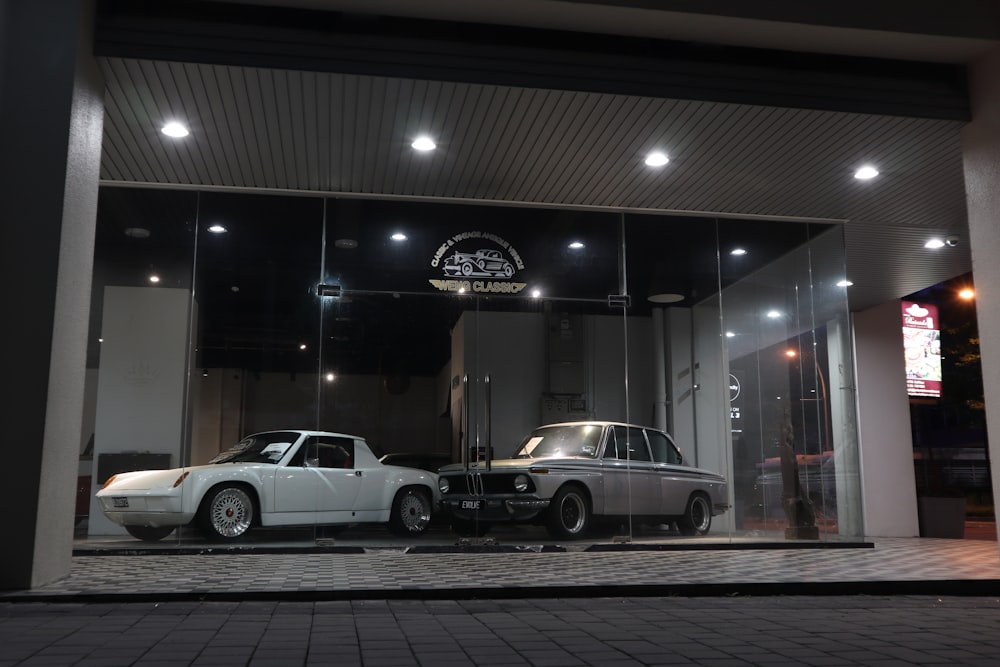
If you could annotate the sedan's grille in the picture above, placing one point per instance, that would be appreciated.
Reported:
(476, 483)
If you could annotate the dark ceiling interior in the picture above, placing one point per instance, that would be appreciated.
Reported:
(293, 109)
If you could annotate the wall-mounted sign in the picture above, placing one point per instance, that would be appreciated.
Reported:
(922, 349)
(734, 405)
(477, 262)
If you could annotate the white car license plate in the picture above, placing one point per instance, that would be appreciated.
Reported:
(470, 504)
(119, 502)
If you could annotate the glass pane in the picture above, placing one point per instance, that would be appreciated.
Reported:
(137, 361)
(785, 327)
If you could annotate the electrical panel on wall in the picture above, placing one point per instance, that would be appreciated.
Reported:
(563, 409)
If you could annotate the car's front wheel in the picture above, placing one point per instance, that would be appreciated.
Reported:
(227, 512)
(149, 533)
(411, 512)
(697, 517)
(569, 513)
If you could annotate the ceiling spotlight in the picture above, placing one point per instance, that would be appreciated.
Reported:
(844, 283)
(773, 314)
(302, 346)
(175, 130)
(934, 244)
(424, 144)
(218, 229)
(398, 236)
(330, 377)
(968, 294)
(790, 353)
(866, 173)
(575, 245)
(536, 293)
(737, 252)
(154, 279)
(656, 159)
(665, 297)
(730, 334)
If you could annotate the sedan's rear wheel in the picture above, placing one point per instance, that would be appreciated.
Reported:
(411, 512)
(149, 533)
(569, 513)
(227, 512)
(697, 517)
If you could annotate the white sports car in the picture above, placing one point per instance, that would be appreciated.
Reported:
(278, 478)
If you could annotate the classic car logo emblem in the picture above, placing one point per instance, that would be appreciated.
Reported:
(470, 265)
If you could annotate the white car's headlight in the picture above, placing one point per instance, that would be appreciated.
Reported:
(443, 484)
(521, 483)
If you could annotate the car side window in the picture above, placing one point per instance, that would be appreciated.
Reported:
(327, 452)
(633, 439)
(664, 450)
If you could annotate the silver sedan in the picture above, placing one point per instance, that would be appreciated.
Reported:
(566, 475)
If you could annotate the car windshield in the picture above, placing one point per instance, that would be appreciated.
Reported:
(259, 448)
(576, 440)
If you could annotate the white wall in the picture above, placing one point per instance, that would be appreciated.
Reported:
(140, 391)
(981, 155)
(884, 435)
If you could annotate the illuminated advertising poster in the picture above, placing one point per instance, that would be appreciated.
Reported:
(922, 349)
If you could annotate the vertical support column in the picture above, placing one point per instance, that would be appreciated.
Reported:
(843, 422)
(886, 442)
(981, 156)
(51, 109)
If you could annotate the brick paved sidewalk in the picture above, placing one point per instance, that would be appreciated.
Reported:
(605, 632)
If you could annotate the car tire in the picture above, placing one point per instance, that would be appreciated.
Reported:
(466, 528)
(697, 517)
(569, 513)
(467, 269)
(411, 512)
(227, 512)
(149, 533)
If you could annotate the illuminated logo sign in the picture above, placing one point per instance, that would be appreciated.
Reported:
(922, 349)
(477, 262)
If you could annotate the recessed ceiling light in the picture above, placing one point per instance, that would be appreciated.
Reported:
(844, 283)
(773, 314)
(934, 244)
(575, 245)
(154, 279)
(346, 244)
(665, 298)
(656, 159)
(218, 229)
(730, 334)
(536, 293)
(398, 236)
(330, 377)
(137, 232)
(866, 173)
(738, 251)
(175, 130)
(424, 144)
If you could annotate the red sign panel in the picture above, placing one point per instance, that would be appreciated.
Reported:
(922, 349)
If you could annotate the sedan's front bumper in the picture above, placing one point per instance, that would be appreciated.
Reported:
(494, 508)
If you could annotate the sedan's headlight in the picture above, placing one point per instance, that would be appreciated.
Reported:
(521, 483)
(443, 485)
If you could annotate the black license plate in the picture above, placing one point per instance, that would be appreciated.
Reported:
(119, 502)
(471, 504)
